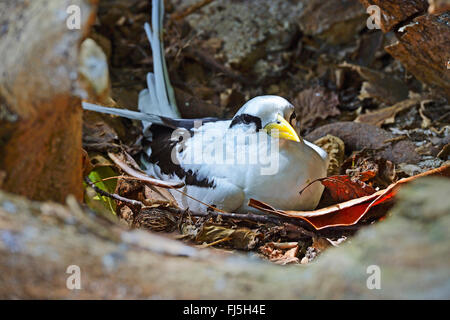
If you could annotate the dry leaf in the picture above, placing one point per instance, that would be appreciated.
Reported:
(367, 167)
(359, 136)
(314, 104)
(350, 212)
(445, 152)
(281, 253)
(343, 188)
(386, 115)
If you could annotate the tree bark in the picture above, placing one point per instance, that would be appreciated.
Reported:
(40, 113)
(424, 50)
(423, 45)
(395, 12)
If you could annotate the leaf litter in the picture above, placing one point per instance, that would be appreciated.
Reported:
(377, 124)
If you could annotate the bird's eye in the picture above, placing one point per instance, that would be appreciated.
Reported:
(293, 119)
(246, 119)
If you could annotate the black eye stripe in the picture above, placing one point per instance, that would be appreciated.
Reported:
(246, 119)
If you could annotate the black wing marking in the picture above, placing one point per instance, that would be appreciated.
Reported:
(162, 145)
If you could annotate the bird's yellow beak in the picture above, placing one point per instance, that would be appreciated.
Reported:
(282, 129)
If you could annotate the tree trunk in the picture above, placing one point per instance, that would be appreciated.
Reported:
(395, 12)
(408, 254)
(40, 113)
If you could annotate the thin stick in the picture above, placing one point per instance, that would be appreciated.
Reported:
(132, 172)
(205, 204)
(111, 195)
(263, 218)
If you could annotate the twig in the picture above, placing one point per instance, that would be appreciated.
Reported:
(134, 173)
(263, 218)
(309, 184)
(114, 196)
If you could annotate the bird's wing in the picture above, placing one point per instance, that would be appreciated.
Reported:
(322, 153)
(172, 152)
(175, 160)
(224, 196)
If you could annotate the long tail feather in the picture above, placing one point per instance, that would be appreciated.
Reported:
(158, 101)
(124, 113)
(159, 98)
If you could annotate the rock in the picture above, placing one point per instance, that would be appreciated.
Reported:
(336, 22)
(40, 113)
(247, 36)
(418, 201)
(411, 249)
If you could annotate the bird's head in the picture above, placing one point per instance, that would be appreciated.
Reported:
(271, 113)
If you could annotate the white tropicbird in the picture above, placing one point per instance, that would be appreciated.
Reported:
(224, 163)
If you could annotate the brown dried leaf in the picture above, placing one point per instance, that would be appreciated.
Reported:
(367, 167)
(444, 154)
(281, 253)
(334, 21)
(321, 244)
(343, 188)
(156, 219)
(386, 115)
(314, 104)
(155, 197)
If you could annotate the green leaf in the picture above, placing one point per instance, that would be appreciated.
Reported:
(99, 202)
